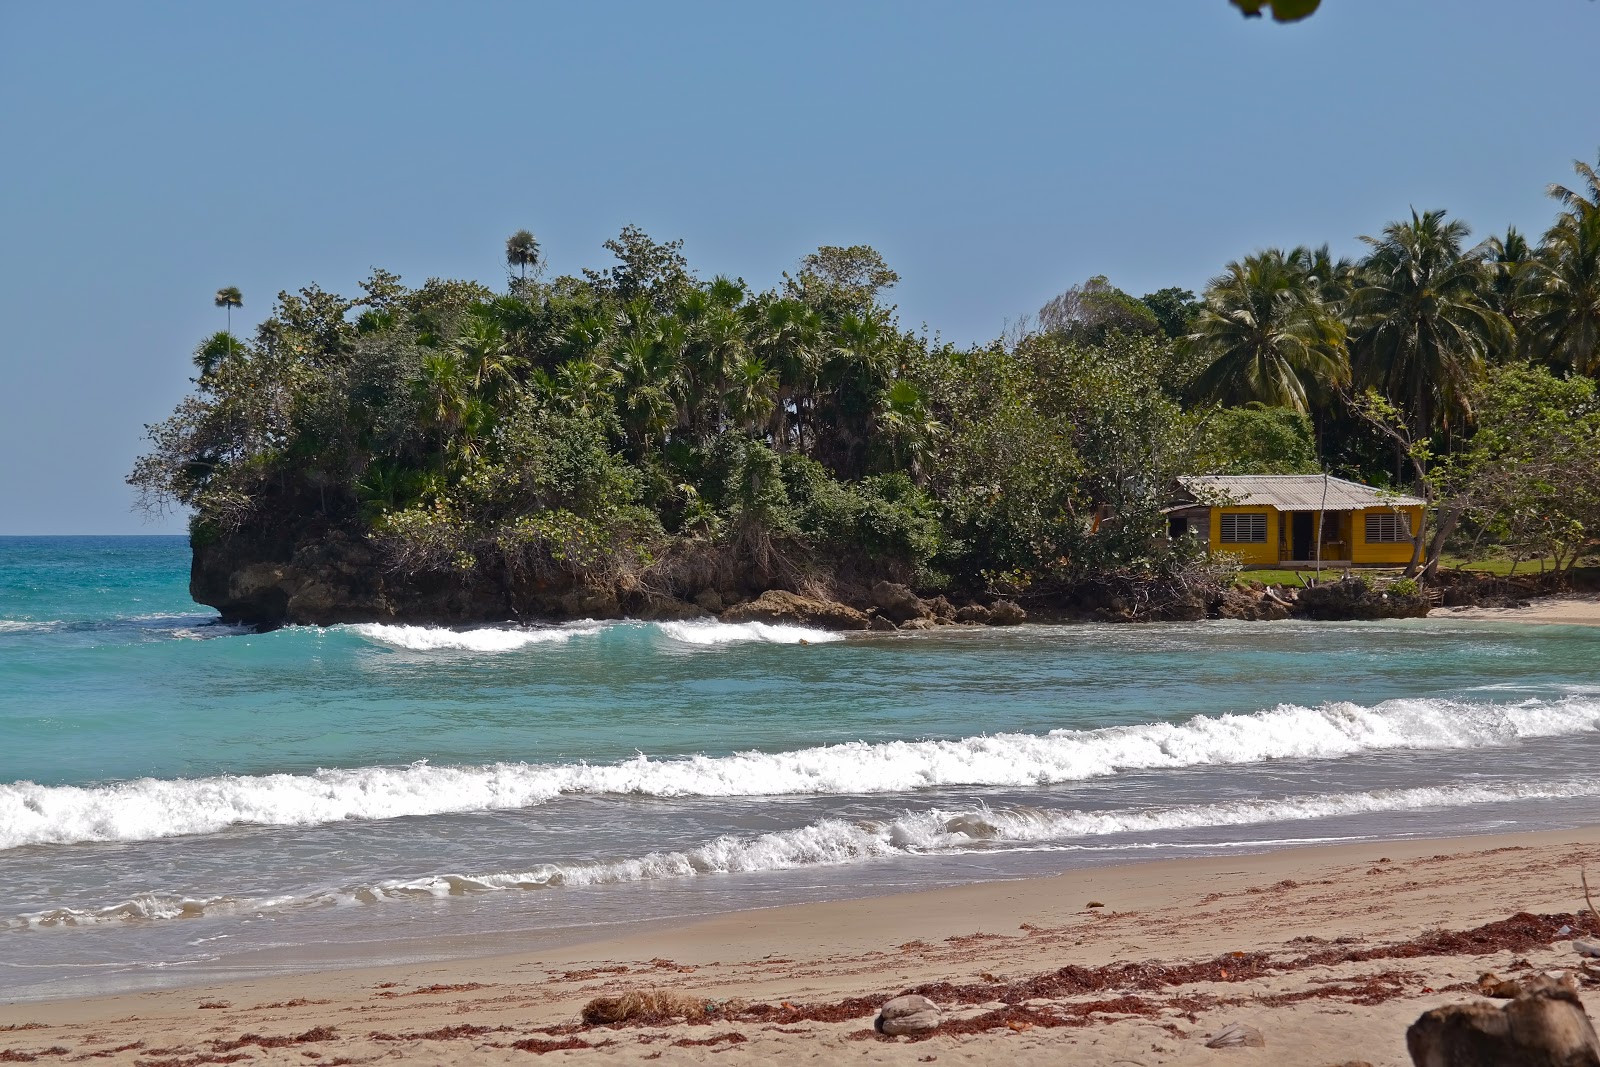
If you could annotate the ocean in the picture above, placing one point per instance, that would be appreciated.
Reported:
(185, 801)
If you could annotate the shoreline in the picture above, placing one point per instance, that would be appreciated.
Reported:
(1564, 609)
(808, 961)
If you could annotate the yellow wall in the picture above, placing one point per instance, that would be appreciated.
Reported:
(1384, 552)
(1248, 553)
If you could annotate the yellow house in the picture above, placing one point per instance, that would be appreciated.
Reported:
(1291, 520)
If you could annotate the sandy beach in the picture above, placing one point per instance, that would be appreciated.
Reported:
(1573, 610)
(1330, 952)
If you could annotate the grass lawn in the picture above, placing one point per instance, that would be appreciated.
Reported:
(1272, 576)
(1502, 567)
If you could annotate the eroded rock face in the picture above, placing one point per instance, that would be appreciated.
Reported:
(1545, 1026)
(783, 607)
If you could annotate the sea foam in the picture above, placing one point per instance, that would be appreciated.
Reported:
(832, 842)
(148, 808)
(709, 632)
(487, 639)
(701, 632)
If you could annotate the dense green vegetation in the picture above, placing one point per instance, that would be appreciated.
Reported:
(620, 426)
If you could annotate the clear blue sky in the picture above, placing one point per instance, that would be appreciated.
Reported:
(995, 153)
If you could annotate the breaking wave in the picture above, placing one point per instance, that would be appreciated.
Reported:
(703, 632)
(148, 808)
(831, 842)
(709, 632)
(488, 639)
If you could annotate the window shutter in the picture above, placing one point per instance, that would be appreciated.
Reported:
(1387, 528)
(1244, 528)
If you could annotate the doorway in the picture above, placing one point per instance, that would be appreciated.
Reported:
(1305, 527)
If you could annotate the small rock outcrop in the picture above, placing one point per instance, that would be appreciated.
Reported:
(1006, 613)
(973, 613)
(897, 603)
(910, 1014)
(781, 606)
(1351, 598)
(1251, 605)
(1544, 1026)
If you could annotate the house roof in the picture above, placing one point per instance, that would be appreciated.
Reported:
(1295, 492)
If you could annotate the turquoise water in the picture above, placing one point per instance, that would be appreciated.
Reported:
(180, 798)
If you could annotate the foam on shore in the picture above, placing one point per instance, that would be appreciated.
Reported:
(829, 842)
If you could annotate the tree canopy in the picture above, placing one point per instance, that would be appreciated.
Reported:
(613, 424)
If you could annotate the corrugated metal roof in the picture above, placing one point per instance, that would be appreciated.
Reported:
(1295, 492)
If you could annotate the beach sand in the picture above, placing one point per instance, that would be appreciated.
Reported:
(1575, 610)
(1330, 952)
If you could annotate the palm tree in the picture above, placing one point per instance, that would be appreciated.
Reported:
(752, 389)
(485, 354)
(1565, 326)
(522, 252)
(1267, 335)
(1423, 326)
(1513, 266)
(904, 419)
(229, 297)
(1333, 279)
(444, 400)
(1584, 200)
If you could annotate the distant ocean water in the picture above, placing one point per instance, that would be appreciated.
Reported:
(183, 800)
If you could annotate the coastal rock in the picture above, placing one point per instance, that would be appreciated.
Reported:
(919, 624)
(942, 609)
(1351, 598)
(974, 613)
(711, 600)
(898, 603)
(660, 608)
(1250, 605)
(781, 606)
(910, 1014)
(590, 604)
(883, 625)
(1006, 613)
(1545, 1026)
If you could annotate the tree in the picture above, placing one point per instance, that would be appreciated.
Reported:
(1265, 336)
(522, 252)
(1583, 200)
(854, 276)
(1564, 327)
(1257, 439)
(1528, 477)
(1282, 10)
(1422, 325)
(1175, 310)
(1090, 311)
(229, 298)
(1513, 265)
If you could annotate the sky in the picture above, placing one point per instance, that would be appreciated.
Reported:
(994, 153)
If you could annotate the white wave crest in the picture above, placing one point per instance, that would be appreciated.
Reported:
(708, 632)
(26, 626)
(832, 842)
(487, 639)
(147, 808)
